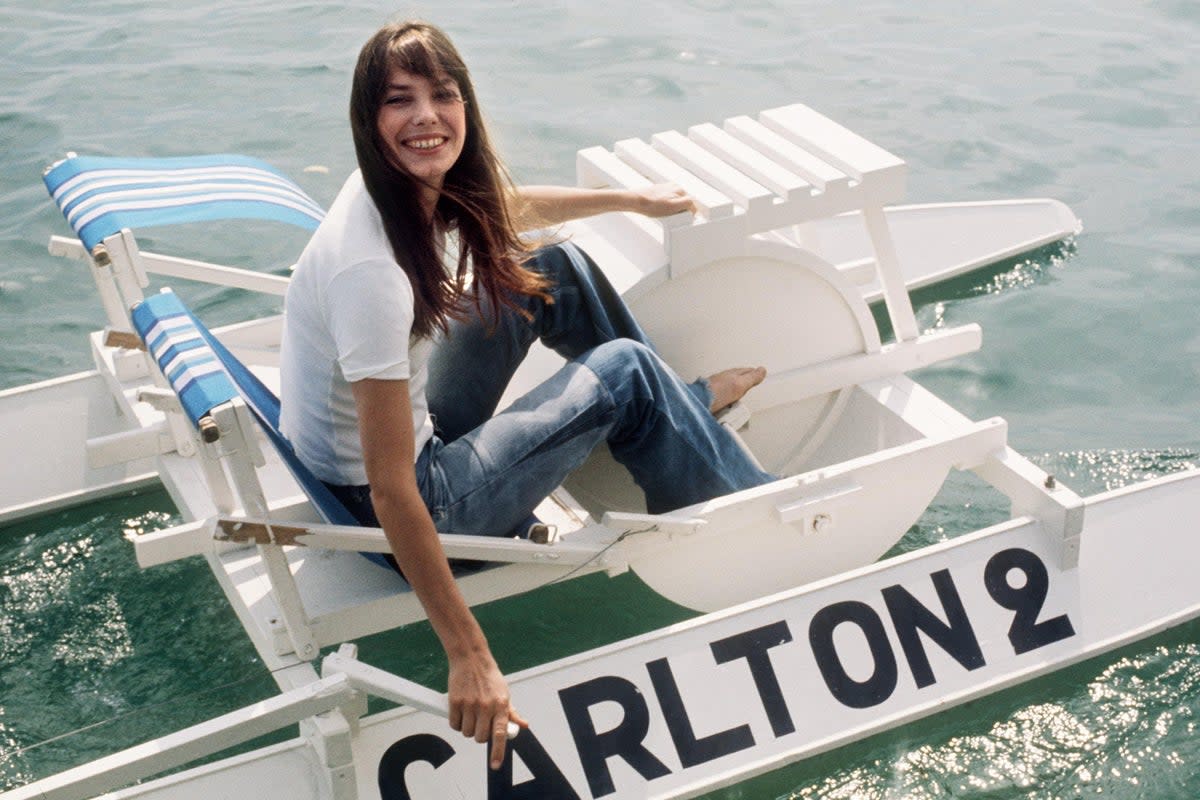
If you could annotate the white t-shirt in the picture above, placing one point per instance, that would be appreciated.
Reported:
(348, 315)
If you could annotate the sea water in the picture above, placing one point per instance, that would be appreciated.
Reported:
(1091, 350)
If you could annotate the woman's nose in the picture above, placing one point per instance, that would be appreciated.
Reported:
(424, 112)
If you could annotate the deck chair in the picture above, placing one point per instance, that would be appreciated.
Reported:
(215, 392)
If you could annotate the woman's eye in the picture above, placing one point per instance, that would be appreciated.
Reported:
(447, 96)
(398, 100)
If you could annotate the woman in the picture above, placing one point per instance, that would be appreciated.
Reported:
(381, 280)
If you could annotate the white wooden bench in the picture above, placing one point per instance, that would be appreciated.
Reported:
(752, 176)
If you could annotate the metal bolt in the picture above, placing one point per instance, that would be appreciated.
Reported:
(1050, 482)
(821, 523)
(209, 431)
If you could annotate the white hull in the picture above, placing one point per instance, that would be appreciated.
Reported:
(49, 424)
(801, 672)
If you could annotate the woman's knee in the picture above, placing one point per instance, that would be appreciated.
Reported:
(622, 364)
(551, 261)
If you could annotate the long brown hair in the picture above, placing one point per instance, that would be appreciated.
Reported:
(474, 196)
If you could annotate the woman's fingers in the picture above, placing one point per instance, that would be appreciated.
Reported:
(499, 740)
(665, 199)
(479, 705)
(504, 727)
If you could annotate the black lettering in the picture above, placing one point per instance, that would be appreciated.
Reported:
(753, 646)
(692, 751)
(409, 750)
(547, 783)
(625, 740)
(855, 694)
(1025, 633)
(955, 636)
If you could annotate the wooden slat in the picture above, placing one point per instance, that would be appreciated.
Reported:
(597, 168)
(834, 143)
(744, 191)
(754, 163)
(816, 171)
(654, 164)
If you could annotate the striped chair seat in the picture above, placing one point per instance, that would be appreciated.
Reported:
(204, 374)
(183, 354)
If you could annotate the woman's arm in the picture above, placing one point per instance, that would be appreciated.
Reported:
(543, 206)
(478, 693)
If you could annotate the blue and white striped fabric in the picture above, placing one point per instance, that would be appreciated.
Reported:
(183, 355)
(99, 195)
(205, 374)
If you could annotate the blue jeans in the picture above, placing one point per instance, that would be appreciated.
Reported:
(484, 473)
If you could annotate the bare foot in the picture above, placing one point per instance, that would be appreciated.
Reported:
(729, 385)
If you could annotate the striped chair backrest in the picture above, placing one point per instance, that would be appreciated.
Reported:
(99, 196)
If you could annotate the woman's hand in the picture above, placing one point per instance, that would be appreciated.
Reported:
(663, 200)
(479, 703)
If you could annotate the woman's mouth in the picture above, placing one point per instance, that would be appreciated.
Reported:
(425, 142)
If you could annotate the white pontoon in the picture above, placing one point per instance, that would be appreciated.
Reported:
(813, 642)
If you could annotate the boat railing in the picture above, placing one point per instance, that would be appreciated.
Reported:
(325, 709)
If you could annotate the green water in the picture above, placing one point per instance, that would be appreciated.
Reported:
(1091, 352)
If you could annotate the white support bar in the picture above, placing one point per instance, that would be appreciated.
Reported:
(179, 428)
(172, 544)
(205, 272)
(388, 686)
(189, 744)
(239, 442)
(126, 446)
(561, 553)
(127, 268)
(343, 677)
(669, 524)
(895, 292)
(239, 449)
(110, 298)
(1035, 493)
(66, 247)
(891, 359)
(1029, 487)
(189, 269)
(291, 605)
(383, 684)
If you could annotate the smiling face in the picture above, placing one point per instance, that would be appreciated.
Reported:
(422, 124)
